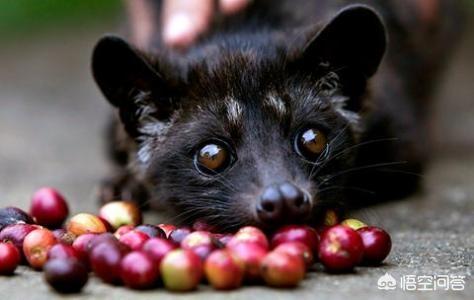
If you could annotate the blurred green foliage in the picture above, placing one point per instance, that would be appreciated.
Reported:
(470, 4)
(20, 16)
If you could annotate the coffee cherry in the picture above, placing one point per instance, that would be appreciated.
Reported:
(16, 234)
(280, 269)
(138, 271)
(181, 270)
(200, 242)
(297, 249)
(222, 239)
(13, 215)
(134, 239)
(196, 238)
(341, 249)
(105, 259)
(123, 230)
(65, 275)
(151, 230)
(297, 233)
(81, 243)
(250, 255)
(63, 236)
(63, 251)
(98, 239)
(249, 234)
(167, 228)
(353, 223)
(85, 223)
(49, 208)
(177, 235)
(223, 271)
(36, 246)
(108, 227)
(157, 248)
(120, 213)
(9, 258)
(377, 244)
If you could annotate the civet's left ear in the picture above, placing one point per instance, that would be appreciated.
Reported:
(355, 38)
(352, 43)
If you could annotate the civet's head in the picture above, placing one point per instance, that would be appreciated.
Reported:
(252, 137)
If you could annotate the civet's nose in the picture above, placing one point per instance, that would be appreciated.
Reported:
(281, 203)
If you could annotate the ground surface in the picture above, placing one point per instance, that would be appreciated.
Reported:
(51, 116)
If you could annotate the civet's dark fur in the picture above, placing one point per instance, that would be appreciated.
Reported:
(314, 58)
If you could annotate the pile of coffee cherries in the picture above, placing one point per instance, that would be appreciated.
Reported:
(117, 248)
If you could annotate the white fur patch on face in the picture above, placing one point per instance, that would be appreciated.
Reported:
(328, 86)
(144, 153)
(234, 111)
(155, 132)
(276, 104)
(339, 103)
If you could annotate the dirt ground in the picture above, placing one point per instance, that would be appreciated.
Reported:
(51, 118)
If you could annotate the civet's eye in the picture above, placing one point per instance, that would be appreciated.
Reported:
(213, 158)
(310, 143)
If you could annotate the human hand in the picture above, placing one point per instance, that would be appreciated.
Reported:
(185, 20)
